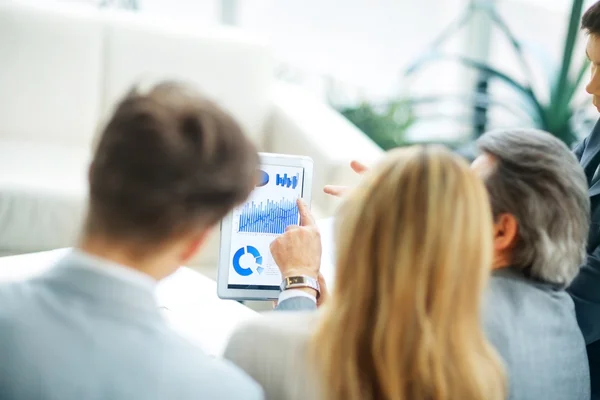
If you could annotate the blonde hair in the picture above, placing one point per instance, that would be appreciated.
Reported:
(414, 252)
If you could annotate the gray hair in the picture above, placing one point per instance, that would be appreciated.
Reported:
(540, 182)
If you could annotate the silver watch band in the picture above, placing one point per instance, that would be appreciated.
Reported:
(302, 281)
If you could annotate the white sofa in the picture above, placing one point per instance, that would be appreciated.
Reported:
(62, 67)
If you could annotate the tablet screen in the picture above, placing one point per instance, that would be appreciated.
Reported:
(270, 208)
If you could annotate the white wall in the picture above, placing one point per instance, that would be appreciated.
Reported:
(364, 45)
(198, 11)
(367, 44)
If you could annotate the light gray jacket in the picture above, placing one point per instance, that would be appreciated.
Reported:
(77, 334)
(531, 324)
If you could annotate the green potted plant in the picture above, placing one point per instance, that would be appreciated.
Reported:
(558, 114)
(386, 124)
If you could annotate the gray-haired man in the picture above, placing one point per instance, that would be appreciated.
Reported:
(541, 213)
(541, 209)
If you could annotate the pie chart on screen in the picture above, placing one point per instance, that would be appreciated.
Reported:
(263, 178)
(246, 270)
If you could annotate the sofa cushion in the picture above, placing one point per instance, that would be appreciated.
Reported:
(43, 194)
(229, 66)
(49, 71)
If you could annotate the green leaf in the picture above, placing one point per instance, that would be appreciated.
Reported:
(379, 122)
(479, 100)
(544, 60)
(524, 90)
(558, 92)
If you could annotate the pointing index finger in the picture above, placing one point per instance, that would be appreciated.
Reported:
(306, 217)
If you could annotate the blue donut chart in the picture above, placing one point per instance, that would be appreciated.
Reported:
(253, 251)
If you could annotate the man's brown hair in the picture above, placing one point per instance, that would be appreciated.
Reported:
(590, 22)
(167, 162)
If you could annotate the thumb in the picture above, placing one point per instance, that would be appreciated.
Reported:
(335, 190)
(306, 217)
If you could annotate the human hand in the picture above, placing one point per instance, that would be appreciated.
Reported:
(339, 191)
(298, 250)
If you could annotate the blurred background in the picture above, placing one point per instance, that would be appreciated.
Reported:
(332, 80)
(328, 79)
(419, 71)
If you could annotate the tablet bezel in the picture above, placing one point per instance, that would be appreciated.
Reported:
(226, 224)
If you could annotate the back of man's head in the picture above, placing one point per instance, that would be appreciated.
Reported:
(539, 181)
(169, 162)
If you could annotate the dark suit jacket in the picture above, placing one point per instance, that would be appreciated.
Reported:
(585, 289)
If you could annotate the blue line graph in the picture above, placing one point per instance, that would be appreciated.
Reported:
(272, 217)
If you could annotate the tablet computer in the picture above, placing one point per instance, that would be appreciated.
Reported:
(246, 268)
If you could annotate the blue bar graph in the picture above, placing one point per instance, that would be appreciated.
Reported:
(287, 181)
(268, 217)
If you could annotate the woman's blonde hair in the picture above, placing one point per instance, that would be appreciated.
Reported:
(414, 252)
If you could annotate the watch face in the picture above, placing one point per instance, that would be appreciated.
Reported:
(295, 279)
(299, 282)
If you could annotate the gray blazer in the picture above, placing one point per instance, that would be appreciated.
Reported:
(77, 334)
(531, 324)
(273, 349)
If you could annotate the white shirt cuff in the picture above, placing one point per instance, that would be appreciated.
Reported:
(290, 293)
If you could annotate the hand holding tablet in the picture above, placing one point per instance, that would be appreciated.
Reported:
(247, 269)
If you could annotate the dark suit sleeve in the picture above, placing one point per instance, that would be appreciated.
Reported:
(580, 148)
(585, 291)
(296, 304)
(585, 288)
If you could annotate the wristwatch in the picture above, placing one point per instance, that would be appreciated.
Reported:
(302, 281)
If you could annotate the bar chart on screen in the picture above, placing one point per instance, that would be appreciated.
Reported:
(268, 216)
(287, 181)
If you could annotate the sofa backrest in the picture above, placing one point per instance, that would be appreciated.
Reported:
(51, 70)
(228, 65)
(67, 67)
